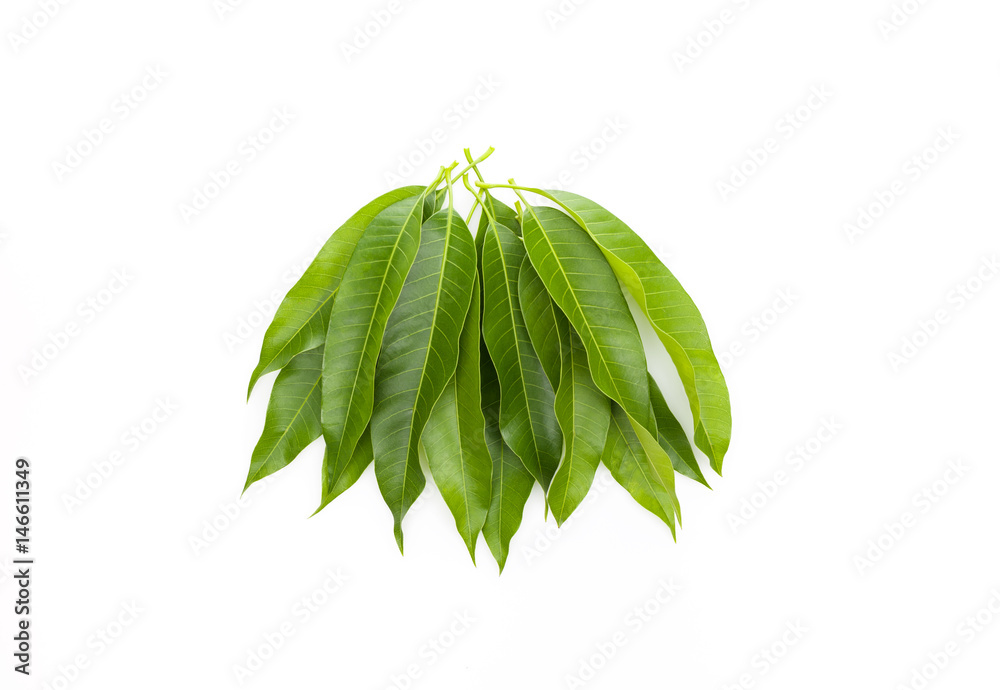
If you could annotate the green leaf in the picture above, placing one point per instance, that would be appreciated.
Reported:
(362, 457)
(454, 439)
(672, 437)
(512, 481)
(293, 416)
(673, 315)
(419, 356)
(586, 290)
(371, 285)
(434, 202)
(584, 414)
(547, 327)
(301, 320)
(625, 457)
(527, 414)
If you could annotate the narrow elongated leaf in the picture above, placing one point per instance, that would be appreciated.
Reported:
(301, 320)
(547, 327)
(625, 457)
(419, 356)
(362, 457)
(585, 288)
(512, 482)
(454, 438)
(671, 436)
(371, 285)
(293, 415)
(584, 415)
(527, 414)
(673, 315)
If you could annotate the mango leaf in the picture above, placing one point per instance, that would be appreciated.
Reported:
(301, 320)
(673, 315)
(672, 437)
(419, 354)
(584, 414)
(586, 290)
(362, 457)
(527, 414)
(625, 457)
(434, 202)
(371, 285)
(512, 482)
(293, 415)
(454, 439)
(547, 327)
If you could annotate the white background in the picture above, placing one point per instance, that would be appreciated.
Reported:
(180, 332)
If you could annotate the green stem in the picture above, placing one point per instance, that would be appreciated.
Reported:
(533, 190)
(479, 199)
(472, 163)
(475, 205)
(451, 193)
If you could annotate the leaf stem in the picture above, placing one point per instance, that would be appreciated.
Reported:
(534, 190)
(479, 199)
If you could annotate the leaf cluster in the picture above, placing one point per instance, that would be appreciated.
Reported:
(497, 360)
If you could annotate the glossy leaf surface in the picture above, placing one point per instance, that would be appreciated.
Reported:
(372, 282)
(293, 415)
(454, 438)
(674, 317)
(418, 357)
(527, 412)
(511, 485)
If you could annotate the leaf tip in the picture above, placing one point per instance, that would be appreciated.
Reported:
(397, 530)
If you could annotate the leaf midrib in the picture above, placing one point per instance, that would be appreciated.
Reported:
(517, 344)
(572, 292)
(288, 428)
(427, 354)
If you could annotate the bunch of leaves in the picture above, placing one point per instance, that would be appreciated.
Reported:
(497, 360)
